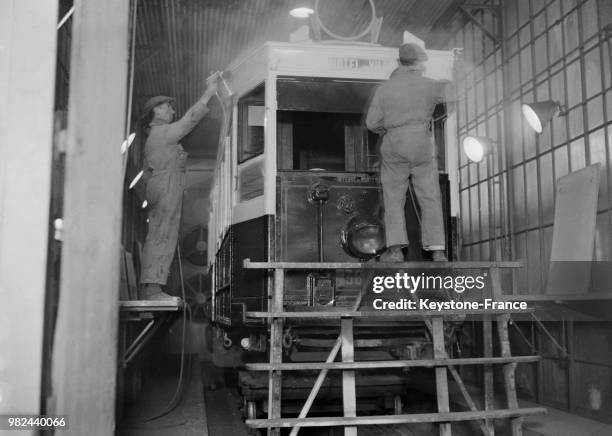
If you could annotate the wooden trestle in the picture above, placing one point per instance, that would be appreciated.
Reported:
(434, 321)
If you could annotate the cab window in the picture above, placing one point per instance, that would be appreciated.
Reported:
(251, 117)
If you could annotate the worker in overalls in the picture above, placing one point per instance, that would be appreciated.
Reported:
(402, 110)
(164, 174)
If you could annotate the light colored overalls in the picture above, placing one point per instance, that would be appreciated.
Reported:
(401, 110)
(165, 179)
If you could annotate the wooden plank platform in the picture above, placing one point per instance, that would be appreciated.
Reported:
(423, 363)
(394, 419)
(150, 306)
(557, 298)
(248, 264)
(384, 314)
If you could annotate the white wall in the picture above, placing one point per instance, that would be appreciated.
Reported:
(27, 74)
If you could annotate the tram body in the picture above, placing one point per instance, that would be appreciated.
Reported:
(296, 175)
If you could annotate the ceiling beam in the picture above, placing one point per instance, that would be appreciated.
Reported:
(446, 26)
(468, 9)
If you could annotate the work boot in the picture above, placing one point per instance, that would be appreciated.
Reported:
(153, 292)
(393, 254)
(439, 256)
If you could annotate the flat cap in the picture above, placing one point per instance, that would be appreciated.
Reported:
(412, 52)
(154, 102)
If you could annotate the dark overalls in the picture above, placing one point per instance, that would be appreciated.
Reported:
(165, 178)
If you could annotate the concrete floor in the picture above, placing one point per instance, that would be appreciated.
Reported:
(189, 417)
(560, 423)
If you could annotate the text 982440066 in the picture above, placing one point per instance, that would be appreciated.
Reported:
(33, 422)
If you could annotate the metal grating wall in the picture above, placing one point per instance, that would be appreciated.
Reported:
(555, 49)
(558, 50)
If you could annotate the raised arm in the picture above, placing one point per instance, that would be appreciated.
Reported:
(177, 130)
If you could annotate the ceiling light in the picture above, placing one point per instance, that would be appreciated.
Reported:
(301, 12)
(58, 224)
(145, 204)
(477, 147)
(539, 114)
(126, 144)
(136, 179)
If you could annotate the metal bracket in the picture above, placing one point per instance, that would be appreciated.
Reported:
(152, 326)
(552, 339)
(468, 9)
(143, 337)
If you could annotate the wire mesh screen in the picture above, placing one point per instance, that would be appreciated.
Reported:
(548, 50)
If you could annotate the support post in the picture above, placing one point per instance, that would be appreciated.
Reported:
(437, 325)
(276, 352)
(349, 399)
(571, 366)
(509, 377)
(516, 423)
(85, 351)
(487, 347)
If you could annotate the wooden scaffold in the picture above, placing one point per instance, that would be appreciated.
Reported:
(443, 364)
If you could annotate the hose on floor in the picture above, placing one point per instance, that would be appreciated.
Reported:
(185, 366)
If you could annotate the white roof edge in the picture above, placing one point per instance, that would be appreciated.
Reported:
(310, 45)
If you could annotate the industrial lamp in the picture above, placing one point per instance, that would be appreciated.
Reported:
(477, 147)
(539, 114)
(301, 9)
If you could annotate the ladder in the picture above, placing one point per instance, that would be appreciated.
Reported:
(442, 363)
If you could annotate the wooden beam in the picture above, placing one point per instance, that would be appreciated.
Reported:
(395, 266)
(150, 306)
(276, 353)
(437, 328)
(571, 367)
(477, 23)
(459, 381)
(85, 351)
(317, 385)
(330, 358)
(489, 395)
(384, 314)
(27, 83)
(557, 299)
(349, 396)
(516, 423)
(378, 364)
(395, 419)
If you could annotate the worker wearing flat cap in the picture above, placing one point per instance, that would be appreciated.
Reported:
(401, 110)
(164, 174)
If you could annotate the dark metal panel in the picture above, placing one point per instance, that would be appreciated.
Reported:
(250, 240)
(298, 222)
(298, 215)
